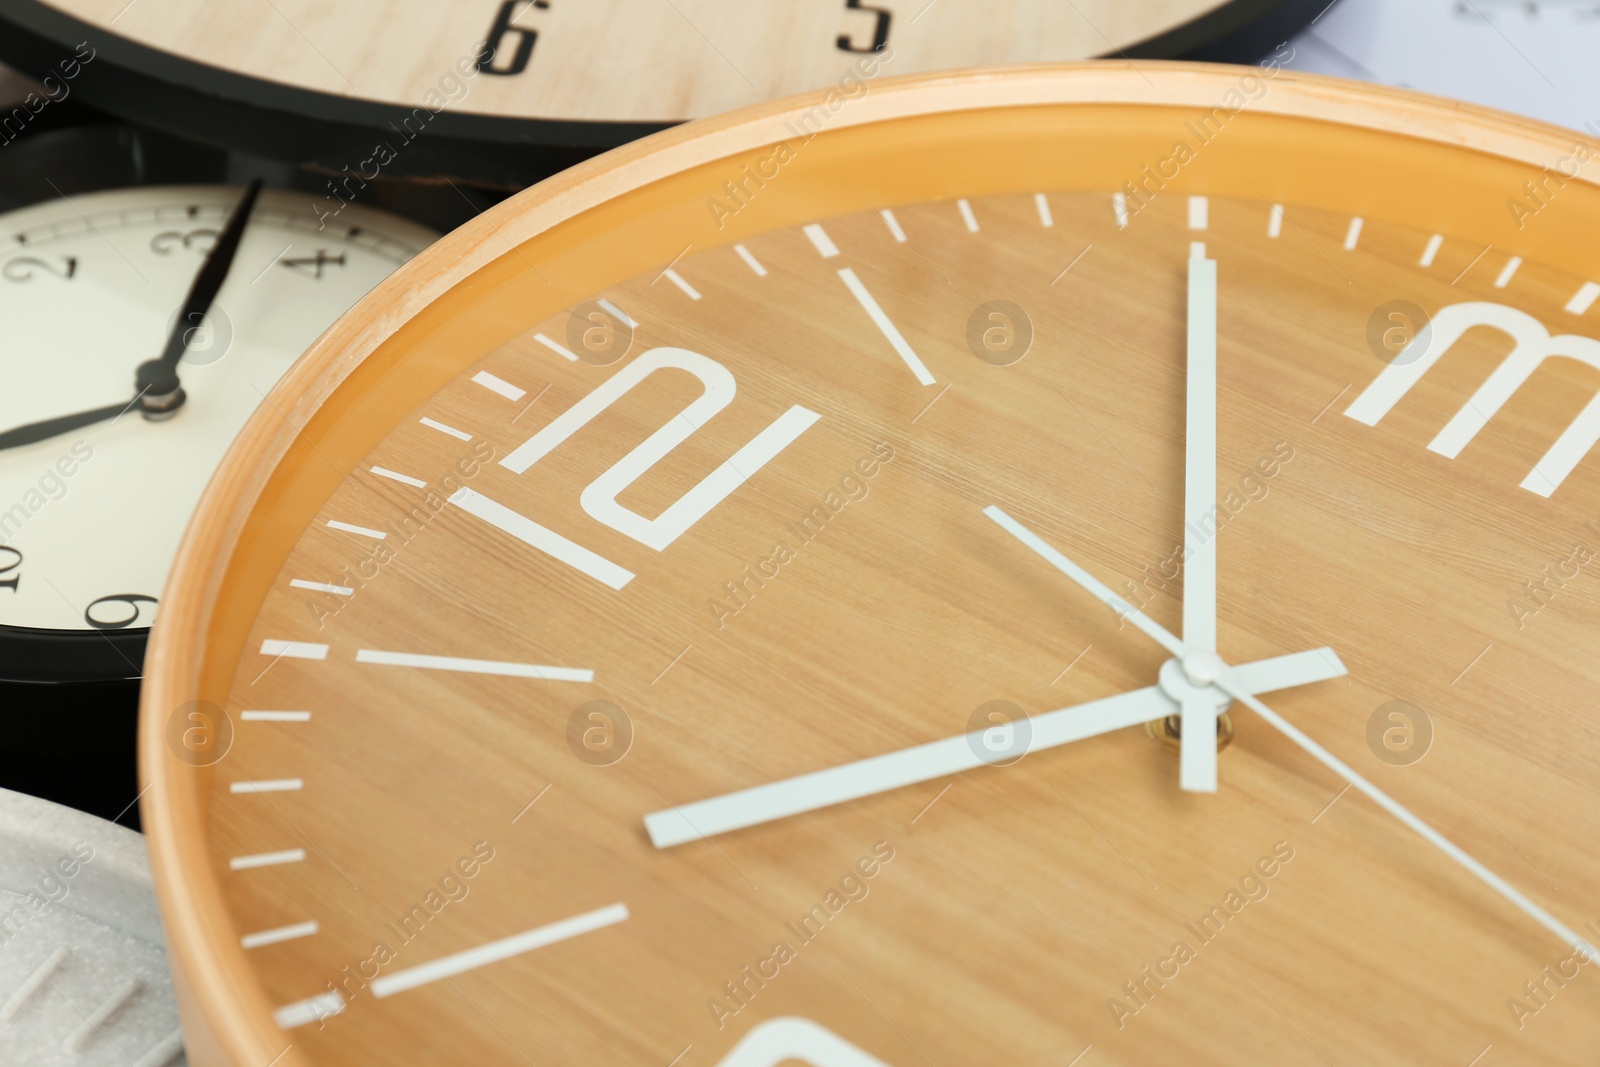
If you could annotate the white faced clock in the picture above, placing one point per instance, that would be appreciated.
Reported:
(140, 328)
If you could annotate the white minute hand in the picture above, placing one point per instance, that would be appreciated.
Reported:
(1198, 763)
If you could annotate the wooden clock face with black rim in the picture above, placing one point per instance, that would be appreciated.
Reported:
(478, 89)
(736, 639)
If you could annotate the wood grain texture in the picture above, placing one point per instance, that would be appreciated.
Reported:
(1018, 904)
(622, 62)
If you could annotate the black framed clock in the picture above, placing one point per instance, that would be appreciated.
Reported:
(100, 460)
(502, 92)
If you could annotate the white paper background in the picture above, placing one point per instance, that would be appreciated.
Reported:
(1537, 57)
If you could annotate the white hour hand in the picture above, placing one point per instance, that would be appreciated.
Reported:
(879, 774)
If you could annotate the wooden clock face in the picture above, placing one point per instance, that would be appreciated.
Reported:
(538, 648)
(465, 89)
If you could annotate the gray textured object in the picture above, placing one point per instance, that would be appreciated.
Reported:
(83, 964)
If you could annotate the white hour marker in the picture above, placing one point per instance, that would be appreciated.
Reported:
(677, 279)
(282, 933)
(544, 539)
(1046, 219)
(322, 587)
(396, 476)
(750, 261)
(267, 859)
(894, 226)
(1199, 213)
(34, 982)
(558, 349)
(275, 716)
(1119, 210)
(310, 1010)
(618, 313)
(1534, 345)
(364, 531)
(294, 649)
(496, 951)
(79, 1039)
(1508, 272)
(896, 340)
(967, 216)
(1432, 250)
(268, 785)
(474, 666)
(1353, 234)
(821, 241)
(163, 1052)
(499, 385)
(1197, 250)
(1275, 221)
(442, 428)
(1584, 298)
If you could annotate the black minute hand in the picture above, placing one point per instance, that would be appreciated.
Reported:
(157, 380)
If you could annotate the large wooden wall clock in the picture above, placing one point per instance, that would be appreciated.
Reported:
(659, 627)
(501, 90)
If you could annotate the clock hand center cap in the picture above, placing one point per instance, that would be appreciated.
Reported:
(1178, 682)
(1203, 668)
(160, 395)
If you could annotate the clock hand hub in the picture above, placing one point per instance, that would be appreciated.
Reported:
(1184, 688)
(1228, 680)
(160, 396)
(1203, 668)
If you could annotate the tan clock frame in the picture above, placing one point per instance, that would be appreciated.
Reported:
(1085, 126)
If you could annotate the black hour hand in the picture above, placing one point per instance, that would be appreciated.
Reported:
(159, 397)
(47, 428)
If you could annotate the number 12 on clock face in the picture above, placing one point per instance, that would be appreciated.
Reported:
(599, 498)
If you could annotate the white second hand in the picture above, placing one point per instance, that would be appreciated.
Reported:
(1399, 811)
(1162, 636)
(1154, 630)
